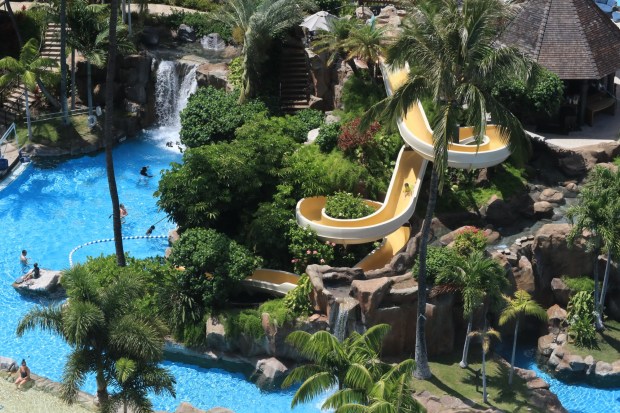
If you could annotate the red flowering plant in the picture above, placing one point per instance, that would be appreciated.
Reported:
(470, 239)
(352, 137)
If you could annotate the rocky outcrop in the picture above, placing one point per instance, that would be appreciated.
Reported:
(268, 370)
(47, 285)
(524, 276)
(214, 75)
(8, 364)
(561, 292)
(577, 162)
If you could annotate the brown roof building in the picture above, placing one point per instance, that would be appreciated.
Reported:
(572, 38)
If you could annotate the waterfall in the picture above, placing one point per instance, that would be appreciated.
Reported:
(213, 41)
(175, 83)
(341, 318)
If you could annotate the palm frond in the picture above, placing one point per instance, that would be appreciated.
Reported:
(313, 387)
(45, 318)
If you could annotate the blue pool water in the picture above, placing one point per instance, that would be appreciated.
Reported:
(55, 206)
(575, 397)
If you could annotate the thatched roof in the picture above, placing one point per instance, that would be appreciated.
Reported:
(572, 38)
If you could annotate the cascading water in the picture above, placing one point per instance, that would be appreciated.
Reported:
(175, 83)
(339, 328)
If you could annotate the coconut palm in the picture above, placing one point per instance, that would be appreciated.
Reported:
(517, 307)
(30, 67)
(486, 336)
(102, 325)
(454, 62)
(260, 21)
(331, 359)
(366, 42)
(598, 212)
(89, 34)
(331, 42)
(387, 390)
(477, 278)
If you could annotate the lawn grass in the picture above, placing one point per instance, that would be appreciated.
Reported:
(54, 133)
(607, 344)
(450, 379)
(506, 180)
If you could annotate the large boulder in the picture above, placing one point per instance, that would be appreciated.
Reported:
(186, 33)
(269, 370)
(8, 364)
(561, 292)
(551, 195)
(498, 212)
(554, 256)
(524, 276)
(213, 74)
(48, 284)
(370, 293)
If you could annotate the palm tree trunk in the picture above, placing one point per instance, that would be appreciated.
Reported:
(102, 387)
(601, 303)
(123, 12)
(27, 104)
(353, 66)
(108, 125)
(89, 89)
(129, 17)
(63, 61)
(463, 362)
(514, 351)
(484, 377)
(51, 99)
(9, 11)
(73, 79)
(422, 370)
(598, 322)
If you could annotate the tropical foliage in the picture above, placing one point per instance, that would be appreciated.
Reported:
(486, 337)
(345, 205)
(260, 22)
(519, 306)
(298, 299)
(580, 319)
(469, 240)
(109, 336)
(454, 62)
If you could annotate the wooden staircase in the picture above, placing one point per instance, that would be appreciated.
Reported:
(294, 77)
(12, 97)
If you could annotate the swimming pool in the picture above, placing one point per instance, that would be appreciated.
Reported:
(56, 205)
(575, 397)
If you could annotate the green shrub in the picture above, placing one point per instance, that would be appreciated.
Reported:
(358, 95)
(194, 335)
(213, 263)
(580, 319)
(235, 74)
(345, 205)
(328, 137)
(579, 284)
(298, 299)
(306, 248)
(469, 240)
(278, 310)
(212, 115)
(202, 23)
(246, 322)
(438, 259)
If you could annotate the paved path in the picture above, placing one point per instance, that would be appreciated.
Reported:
(152, 8)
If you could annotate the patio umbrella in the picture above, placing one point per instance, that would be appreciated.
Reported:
(318, 21)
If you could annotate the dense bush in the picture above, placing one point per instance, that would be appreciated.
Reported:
(438, 260)
(298, 299)
(200, 22)
(235, 74)
(352, 137)
(580, 319)
(345, 205)
(213, 262)
(249, 322)
(306, 248)
(303, 122)
(212, 115)
(539, 98)
(358, 95)
(328, 137)
(469, 240)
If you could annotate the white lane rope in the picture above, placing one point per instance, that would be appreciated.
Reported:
(111, 240)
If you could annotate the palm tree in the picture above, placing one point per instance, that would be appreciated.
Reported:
(89, 34)
(108, 130)
(366, 42)
(377, 390)
(331, 42)
(331, 359)
(454, 62)
(9, 11)
(27, 70)
(101, 323)
(521, 305)
(598, 212)
(260, 21)
(63, 61)
(485, 335)
(476, 277)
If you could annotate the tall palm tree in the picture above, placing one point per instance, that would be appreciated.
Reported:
(331, 359)
(260, 21)
(486, 336)
(89, 34)
(476, 277)
(108, 130)
(517, 307)
(63, 61)
(102, 325)
(30, 67)
(9, 11)
(454, 62)
(367, 390)
(598, 212)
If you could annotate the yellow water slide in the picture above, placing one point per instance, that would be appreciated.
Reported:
(389, 219)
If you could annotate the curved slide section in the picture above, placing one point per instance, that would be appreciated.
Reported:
(395, 211)
(272, 282)
(417, 133)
